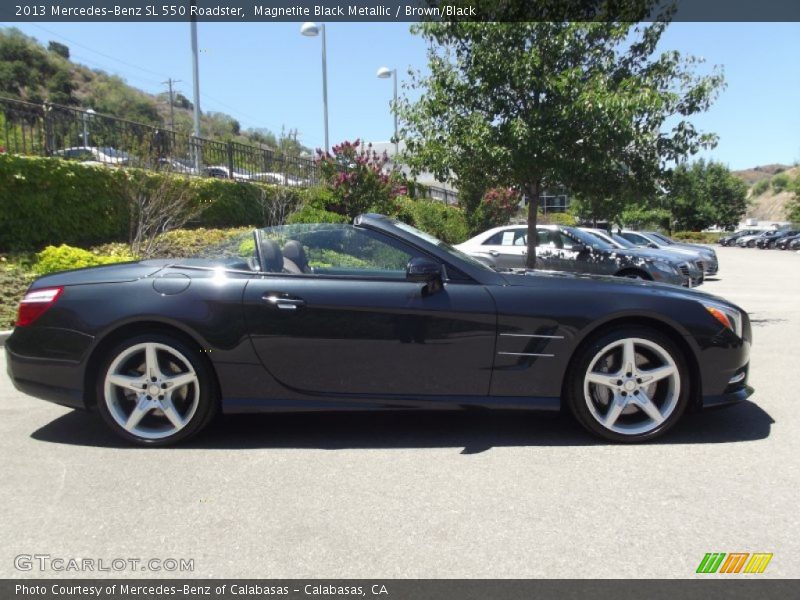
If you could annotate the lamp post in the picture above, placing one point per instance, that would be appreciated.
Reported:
(310, 29)
(386, 73)
(86, 116)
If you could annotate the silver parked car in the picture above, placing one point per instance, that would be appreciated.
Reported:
(694, 275)
(568, 249)
(704, 256)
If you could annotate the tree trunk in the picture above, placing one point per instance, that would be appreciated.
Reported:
(533, 191)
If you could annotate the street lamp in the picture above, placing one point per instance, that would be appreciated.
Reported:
(310, 29)
(386, 73)
(86, 116)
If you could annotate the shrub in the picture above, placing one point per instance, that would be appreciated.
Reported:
(52, 201)
(558, 219)
(760, 186)
(63, 258)
(188, 242)
(780, 182)
(13, 284)
(699, 237)
(48, 200)
(311, 214)
(448, 223)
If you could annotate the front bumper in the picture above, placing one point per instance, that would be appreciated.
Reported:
(729, 399)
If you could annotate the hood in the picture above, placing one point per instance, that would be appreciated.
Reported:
(652, 254)
(595, 284)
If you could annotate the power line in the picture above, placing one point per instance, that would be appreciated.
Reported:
(234, 111)
(119, 60)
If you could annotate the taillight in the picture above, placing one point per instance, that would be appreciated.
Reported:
(35, 304)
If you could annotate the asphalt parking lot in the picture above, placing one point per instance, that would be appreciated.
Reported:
(427, 495)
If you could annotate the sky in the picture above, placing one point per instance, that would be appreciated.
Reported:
(269, 75)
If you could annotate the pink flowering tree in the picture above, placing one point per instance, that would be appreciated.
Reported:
(356, 177)
(497, 207)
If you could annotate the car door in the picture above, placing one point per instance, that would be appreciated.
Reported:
(578, 258)
(508, 248)
(548, 247)
(356, 326)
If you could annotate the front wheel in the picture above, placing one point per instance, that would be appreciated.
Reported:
(155, 390)
(628, 385)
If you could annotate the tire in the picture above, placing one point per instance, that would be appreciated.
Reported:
(624, 413)
(155, 401)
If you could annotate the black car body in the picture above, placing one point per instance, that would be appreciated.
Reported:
(729, 240)
(570, 249)
(786, 242)
(765, 243)
(750, 241)
(375, 315)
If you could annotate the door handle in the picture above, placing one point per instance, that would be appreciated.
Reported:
(283, 302)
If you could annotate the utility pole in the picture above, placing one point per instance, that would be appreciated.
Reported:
(196, 89)
(169, 83)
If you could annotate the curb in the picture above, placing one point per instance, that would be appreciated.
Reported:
(4, 335)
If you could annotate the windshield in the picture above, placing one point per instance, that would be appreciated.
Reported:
(602, 236)
(441, 245)
(623, 242)
(661, 238)
(590, 240)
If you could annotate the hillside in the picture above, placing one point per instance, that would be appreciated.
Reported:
(31, 72)
(768, 200)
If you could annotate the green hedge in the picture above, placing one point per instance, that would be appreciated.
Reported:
(448, 223)
(46, 201)
(699, 237)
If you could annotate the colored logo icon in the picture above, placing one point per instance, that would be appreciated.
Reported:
(734, 562)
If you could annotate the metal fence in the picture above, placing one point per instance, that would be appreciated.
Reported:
(74, 134)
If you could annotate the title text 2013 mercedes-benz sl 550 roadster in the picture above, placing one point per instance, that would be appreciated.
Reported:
(373, 315)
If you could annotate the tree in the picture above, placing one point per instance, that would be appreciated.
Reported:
(705, 194)
(57, 48)
(156, 206)
(357, 179)
(793, 208)
(538, 104)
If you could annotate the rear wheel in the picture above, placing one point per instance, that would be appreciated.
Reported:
(628, 385)
(155, 390)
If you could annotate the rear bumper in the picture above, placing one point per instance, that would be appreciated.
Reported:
(58, 381)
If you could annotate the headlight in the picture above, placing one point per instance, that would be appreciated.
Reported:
(726, 315)
(665, 267)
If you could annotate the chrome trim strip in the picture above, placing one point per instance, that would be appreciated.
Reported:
(533, 335)
(526, 354)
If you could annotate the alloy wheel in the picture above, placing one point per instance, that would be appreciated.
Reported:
(632, 386)
(151, 390)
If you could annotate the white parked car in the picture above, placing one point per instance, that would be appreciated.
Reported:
(104, 155)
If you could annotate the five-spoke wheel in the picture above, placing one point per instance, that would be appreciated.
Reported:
(154, 389)
(629, 385)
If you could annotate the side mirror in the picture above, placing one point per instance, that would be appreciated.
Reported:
(579, 248)
(423, 270)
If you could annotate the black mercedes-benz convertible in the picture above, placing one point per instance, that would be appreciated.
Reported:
(373, 315)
